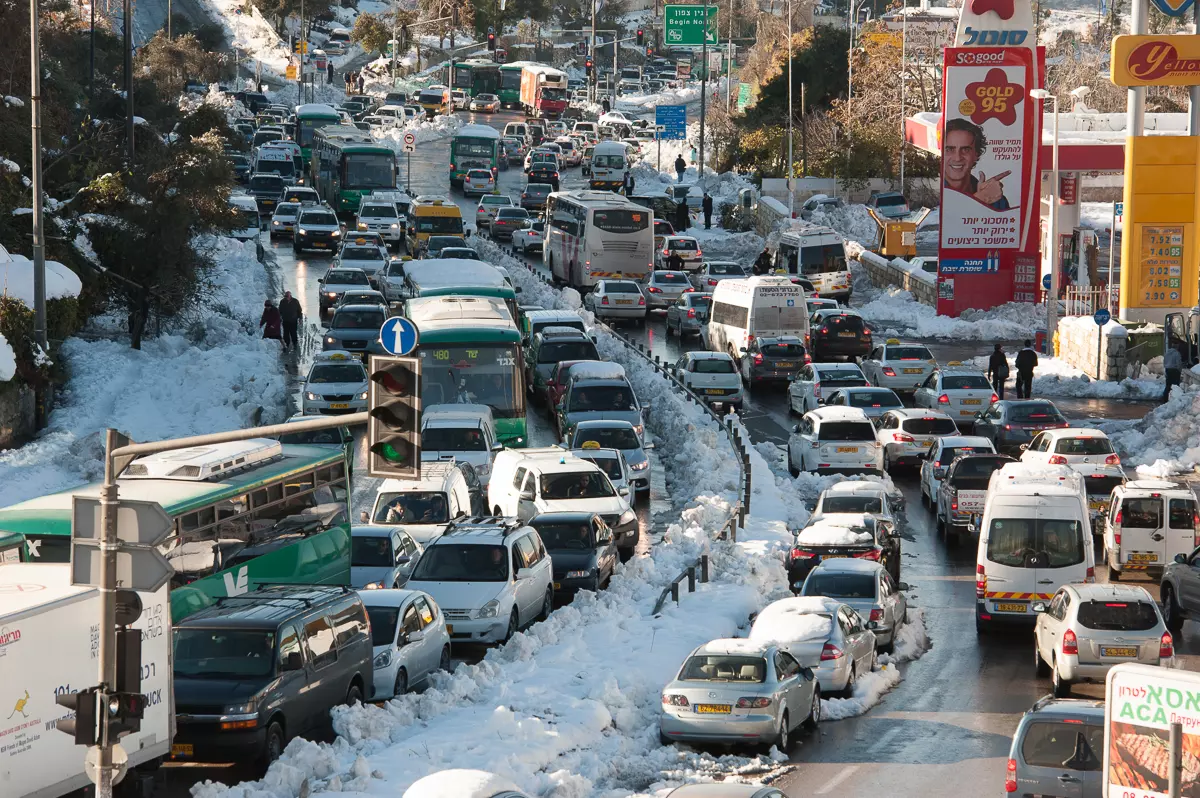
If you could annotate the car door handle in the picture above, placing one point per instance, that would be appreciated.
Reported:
(1157, 536)
(1068, 779)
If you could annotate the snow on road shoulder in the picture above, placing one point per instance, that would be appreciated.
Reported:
(912, 641)
(8, 360)
(1056, 377)
(1167, 440)
(899, 313)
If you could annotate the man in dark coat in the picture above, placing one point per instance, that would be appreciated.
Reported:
(1027, 361)
(290, 312)
(998, 370)
(682, 222)
(680, 167)
(674, 262)
(708, 210)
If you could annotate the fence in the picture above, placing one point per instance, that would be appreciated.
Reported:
(1085, 300)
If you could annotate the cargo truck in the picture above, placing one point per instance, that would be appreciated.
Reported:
(543, 91)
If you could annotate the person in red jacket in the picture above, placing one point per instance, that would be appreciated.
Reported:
(271, 321)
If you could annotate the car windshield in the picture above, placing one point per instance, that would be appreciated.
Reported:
(873, 399)
(378, 211)
(576, 537)
(371, 551)
(457, 562)
(1083, 446)
(846, 431)
(1118, 616)
(266, 183)
(908, 353)
(567, 350)
(224, 653)
(1075, 746)
(360, 253)
(609, 465)
(319, 218)
(346, 277)
(670, 278)
(337, 372)
(439, 224)
(952, 382)
(411, 507)
(852, 504)
(602, 397)
(286, 209)
(1037, 414)
(608, 437)
(575, 485)
(930, 425)
(383, 624)
(723, 668)
(357, 320)
(1035, 542)
(452, 439)
(835, 585)
(712, 365)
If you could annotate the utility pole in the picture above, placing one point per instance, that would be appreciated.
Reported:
(903, 83)
(592, 96)
(729, 64)
(303, 48)
(108, 602)
(127, 10)
(791, 117)
(169, 37)
(803, 134)
(39, 243)
(91, 53)
(703, 94)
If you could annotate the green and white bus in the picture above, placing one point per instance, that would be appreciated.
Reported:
(348, 164)
(510, 84)
(474, 147)
(310, 118)
(246, 513)
(476, 77)
(459, 277)
(470, 352)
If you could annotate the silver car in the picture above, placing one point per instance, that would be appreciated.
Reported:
(1086, 629)
(872, 401)
(821, 630)
(617, 299)
(663, 288)
(619, 435)
(726, 789)
(381, 557)
(1058, 749)
(868, 588)
(738, 691)
(714, 271)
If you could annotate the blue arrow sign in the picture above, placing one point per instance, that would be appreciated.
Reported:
(1101, 316)
(399, 336)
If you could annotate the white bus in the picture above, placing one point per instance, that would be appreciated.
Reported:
(818, 254)
(592, 235)
(756, 307)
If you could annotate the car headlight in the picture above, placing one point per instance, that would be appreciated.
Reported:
(336, 233)
(274, 221)
(247, 708)
(362, 225)
(383, 659)
(331, 294)
(395, 227)
(303, 232)
(363, 395)
(310, 396)
(627, 517)
(578, 574)
(489, 610)
(642, 466)
(329, 339)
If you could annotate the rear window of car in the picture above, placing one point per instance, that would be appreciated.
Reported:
(723, 668)
(873, 399)
(621, 288)
(682, 244)
(1117, 616)
(1141, 513)
(726, 269)
(841, 377)
(834, 585)
(1182, 514)
(843, 323)
(846, 431)
(783, 350)
(1083, 446)
(1040, 414)
(479, 174)
(512, 213)
(952, 382)
(712, 365)
(1059, 745)
(950, 452)
(1103, 484)
(930, 426)
(702, 302)
(852, 504)
(670, 278)
(908, 353)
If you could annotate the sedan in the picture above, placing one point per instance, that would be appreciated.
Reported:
(822, 630)
(714, 271)
(408, 632)
(581, 549)
(617, 299)
(619, 435)
(869, 589)
(738, 691)
(959, 393)
(487, 103)
(1010, 424)
(664, 287)
(872, 401)
(534, 197)
(772, 359)
(1074, 447)
(530, 237)
(544, 172)
(689, 314)
(507, 221)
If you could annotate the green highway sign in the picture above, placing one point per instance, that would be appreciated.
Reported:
(743, 98)
(684, 26)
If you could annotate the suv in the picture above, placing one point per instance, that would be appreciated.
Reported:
(316, 228)
(1059, 741)
(550, 346)
(253, 670)
(1151, 522)
(382, 218)
(838, 333)
(597, 390)
(445, 492)
(834, 440)
(491, 576)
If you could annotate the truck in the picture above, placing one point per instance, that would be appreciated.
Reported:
(49, 644)
(543, 91)
(962, 494)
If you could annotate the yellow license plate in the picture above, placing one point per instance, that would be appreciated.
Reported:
(846, 335)
(558, 585)
(714, 391)
(972, 401)
(927, 444)
(339, 406)
(624, 301)
(914, 371)
(966, 412)
(1105, 651)
(847, 449)
(1010, 608)
(782, 365)
(181, 749)
(1138, 556)
(835, 556)
(713, 709)
(318, 245)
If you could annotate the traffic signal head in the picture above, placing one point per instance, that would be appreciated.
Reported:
(83, 727)
(649, 52)
(394, 427)
(491, 41)
(123, 713)
(641, 37)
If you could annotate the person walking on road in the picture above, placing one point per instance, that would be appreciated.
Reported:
(674, 262)
(329, 73)
(271, 322)
(998, 370)
(360, 83)
(1172, 370)
(680, 166)
(707, 206)
(290, 314)
(682, 222)
(762, 264)
(628, 183)
(1027, 361)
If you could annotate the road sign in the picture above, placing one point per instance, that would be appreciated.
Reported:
(1101, 316)
(138, 567)
(399, 336)
(672, 120)
(410, 138)
(1046, 282)
(685, 26)
(743, 96)
(138, 522)
(1119, 210)
(291, 72)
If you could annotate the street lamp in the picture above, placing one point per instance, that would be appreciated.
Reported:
(1052, 297)
(791, 161)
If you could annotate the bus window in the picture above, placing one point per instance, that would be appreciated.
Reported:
(362, 170)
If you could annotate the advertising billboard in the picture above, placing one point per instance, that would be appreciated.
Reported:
(1142, 703)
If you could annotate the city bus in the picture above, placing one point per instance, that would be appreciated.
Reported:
(470, 352)
(310, 118)
(510, 84)
(459, 277)
(592, 235)
(246, 513)
(477, 77)
(474, 147)
(347, 164)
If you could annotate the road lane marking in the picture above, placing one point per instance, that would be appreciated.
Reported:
(838, 779)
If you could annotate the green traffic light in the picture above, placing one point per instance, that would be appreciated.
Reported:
(390, 453)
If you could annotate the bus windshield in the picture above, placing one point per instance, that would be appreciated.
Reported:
(484, 374)
(823, 259)
(510, 78)
(369, 170)
(480, 148)
(310, 126)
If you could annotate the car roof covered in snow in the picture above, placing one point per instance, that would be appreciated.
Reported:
(597, 370)
(838, 414)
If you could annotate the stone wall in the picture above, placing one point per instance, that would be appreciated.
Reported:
(18, 415)
(1082, 342)
(895, 273)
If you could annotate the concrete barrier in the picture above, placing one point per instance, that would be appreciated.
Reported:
(895, 273)
(1097, 351)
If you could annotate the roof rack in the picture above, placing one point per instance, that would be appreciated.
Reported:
(508, 523)
(254, 594)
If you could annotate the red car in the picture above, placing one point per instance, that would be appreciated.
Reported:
(556, 386)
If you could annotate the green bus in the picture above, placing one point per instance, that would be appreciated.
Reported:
(470, 352)
(474, 147)
(246, 513)
(510, 84)
(477, 77)
(310, 118)
(348, 164)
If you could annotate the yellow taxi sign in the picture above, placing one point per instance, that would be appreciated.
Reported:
(893, 340)
(954, 363)
(590, 445)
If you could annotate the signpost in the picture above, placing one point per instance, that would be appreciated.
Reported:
(689, 26)
(410, 146)
(672, 119)
(1101, 317)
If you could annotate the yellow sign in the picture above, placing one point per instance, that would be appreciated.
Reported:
(292, 71)
(300, 47)
(1156, 60)
(892, 38)
(1161, 265)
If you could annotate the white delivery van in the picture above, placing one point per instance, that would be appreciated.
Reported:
(757, 307)
(462, 432)
(425, 507)
(46, 650)
(246, 207)
(1035, 537)
(1149, 522)
(818, 254)
(610, 162)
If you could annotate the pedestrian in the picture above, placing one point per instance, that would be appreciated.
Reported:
(682, 222)
(762, 264)
(707, 206)
(674, 261)
(290, 313)
(270, 321)
(680, 166)
(1172, 369)
(329, 73)
(627, 183)
(605, 105)
(1027, 361)
(998, 370)
(360, 83)
(693, 155)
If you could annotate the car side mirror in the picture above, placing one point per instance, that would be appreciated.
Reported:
(524, 573)
(902, 586)
(647, 447)
(497, 447)
(403, 559)
(415, 636)
(1024, 446)
(292, 662)
(1038, 606)
(1181, 559)
(527, 495)
(623, 490)
(807, 673)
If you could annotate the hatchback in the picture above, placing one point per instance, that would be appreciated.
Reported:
(822, 630)
(535, 195)
(1058, 749)
(686, 247)
(689, 314)
(815, 381)
(834, 440)
(872, 401)
(507, 221)
(773, 359)
(899, 366)
(1011, 423)
(617, 299)
(866, 587)
(1074, 447)
(662, 288)
(840, 535)
(713, 376)
(955, 391)
(544, 172)
(479, 182)
(530, 237)
(408, 633)
(714, 271)
(838, 333)
(907, 434)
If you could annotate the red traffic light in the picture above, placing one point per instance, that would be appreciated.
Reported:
(641, 37)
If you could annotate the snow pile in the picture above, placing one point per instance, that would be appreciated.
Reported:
(1167, 440)
(12, 167)
(794, 620)
(16, 279)
(718, 244)
(424, 129)
(898, 313)
(598, 371)
(851, 221)
(830, 531)
(251, 33)
(8, 361)
(14, 102)
(1055, 377)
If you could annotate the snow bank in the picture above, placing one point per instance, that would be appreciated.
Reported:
(852, 221)
(912, 641)
(424, 129)
(16, 278)
(8, 361)
(251, 33)
(898, 313)
(1056, 377)
(1167, 440)
(598, 371)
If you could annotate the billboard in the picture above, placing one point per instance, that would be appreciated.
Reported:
(1142, 703)
(1156, 60)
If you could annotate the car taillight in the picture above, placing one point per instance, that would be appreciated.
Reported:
(866, 330)
(800, 554)
(1089, 575)
(688, 290)
(1057, 459)
(758, 360)
(823, 330)
(995, 398)
(807, 357)
(1070, 643)
(1008, 427)
(753, 702)
(604, 300)
(869, 554)
(888, 371)
(1166, 646)
(876, 615)
(1010, 776)
(830, 652)
(1112, 459)
(665, 253)
(901, 437)
(980, 582)
(673, 700)
(654, 290)
(954, 507)
(943, 400)
(691, 313)
(1117, 518)
(712, 281)
(642, 301)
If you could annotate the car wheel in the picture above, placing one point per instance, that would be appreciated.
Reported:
(848, 690)
(354, 695)
(814, 712)
(1113, 574)
(1172, 614)
(274, 744)
(444, 661)
(783, 740)
(795, 472)
(940, 526)
(1040, 668)
(512, 626)
(547, 605)
(1059, 686)
(401, 683)
(667, 326)
(664, 739)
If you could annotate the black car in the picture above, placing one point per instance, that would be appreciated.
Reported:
(881, 543)
(253, 100)
(581, 548)
(253, 671)
(959, 491)
(435, 245)
(1011, 423)
(535, 195)
(544, 172)
(838, 333)
(773, 359)
(241, 167)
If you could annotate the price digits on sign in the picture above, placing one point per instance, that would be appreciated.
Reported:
(1162, 265)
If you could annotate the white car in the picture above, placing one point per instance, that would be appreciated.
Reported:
(459, 100)
(368, 257)
(816, 381)
(530, 238)
(491, 577)
(686, 247)
(380, 217)
(390, 281)
(478, 182)
(408, 632)
(1071, 446)
(872, 401)
(336, 384)
(834, 440)
(959, 393)
(907, 434)
(941, 455)
(381, 556)
(901, 367)
(611, 462)
(488, 205)
(713, 376)
(853, 496)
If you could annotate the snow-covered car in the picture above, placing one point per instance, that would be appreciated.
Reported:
(956, 391)
(462, 783)
(487, 103)
(619, 435)
(815, 381)
(530, 237)
(869, 589)
(939, 458)
(713, 376)
(834, 440)
(821, 630)
(899, 366)
(408, 630)
(686, 247)
(1071, 446)
(478, 182)
(368, 257)
(712, 272)
(869, 497)
(907, 434)
(872, 401)
(838, 535)
(355, 328)
(336, 384)
(489, 205)
(380, 217)
(335, 282)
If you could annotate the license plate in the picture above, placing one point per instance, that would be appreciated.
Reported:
(714, 391)
(1138, 556)
(846, 335)
(339, 406)
(847, 449)
(624, 301)
(1010, 608)
(181, 749)
(713, 709)
(835, 556)
(318, 245)
(972, 401)
(1105, 651)
(558, 585)
(927, 444)
(966, 412)
(782, 365)
(914, 371)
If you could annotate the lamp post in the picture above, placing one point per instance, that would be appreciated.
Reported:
(1052, 297)
(790, 169)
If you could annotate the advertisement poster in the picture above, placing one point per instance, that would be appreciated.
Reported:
(1142, 703)
(989, 149)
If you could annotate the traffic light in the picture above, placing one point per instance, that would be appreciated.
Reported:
(641, 37)
(129, 685)
(83, 726)
(404, 38)
(394, 426)
(588, 67)
(123, 714)
(649, 52)
(491, 41)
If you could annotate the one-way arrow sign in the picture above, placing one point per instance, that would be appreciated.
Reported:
(138, 568)
(139, 523)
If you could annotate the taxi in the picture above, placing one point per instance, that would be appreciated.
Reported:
(906, 435)
(359, 253)
(957, 391)
(899, 366)
(336, 384)
(335, 282)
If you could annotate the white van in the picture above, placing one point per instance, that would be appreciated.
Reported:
(818, 254)
(518, 130)
(589, 129)
(1149, 522)
(247, 210)
(757, 307)
(1035, 537)
(610, 162)
(425, 506)
(465, 433)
